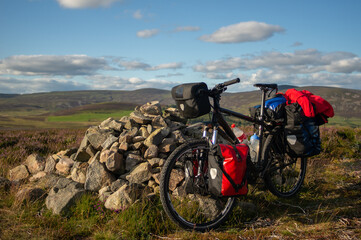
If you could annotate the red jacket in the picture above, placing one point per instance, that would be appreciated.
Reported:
(308, 101)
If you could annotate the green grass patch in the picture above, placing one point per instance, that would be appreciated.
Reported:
(342, 121)
(89, 116)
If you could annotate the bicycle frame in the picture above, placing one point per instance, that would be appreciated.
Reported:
(218, 120)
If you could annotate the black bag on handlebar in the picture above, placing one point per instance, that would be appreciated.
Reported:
(227, 170)
(192, 99)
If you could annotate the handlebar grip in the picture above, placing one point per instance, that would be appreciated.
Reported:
(230, 82)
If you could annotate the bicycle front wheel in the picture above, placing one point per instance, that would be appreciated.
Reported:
(285, 174)
(184, 189)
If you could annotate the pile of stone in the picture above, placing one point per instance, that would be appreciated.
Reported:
(120, 160)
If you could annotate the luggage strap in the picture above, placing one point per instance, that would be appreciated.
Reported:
(236, 187)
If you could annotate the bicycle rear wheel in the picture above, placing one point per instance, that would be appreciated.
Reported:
(285, 174)
(184, 189)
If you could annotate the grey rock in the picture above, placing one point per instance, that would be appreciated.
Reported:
(151, 152)
(138, 139)
(19, 173)
(113, 161)
(178, 136)
(64, 165)
(177, 176)
(90, 151)
(97, 176)
(132, 160)
(159, 122)
(143, 132)
(114, 147)
(112, 124)
(35, 163)
(124, 197)
(97, 136)
(82, 154)
(174, 115)
(167, 145)
(78, 172)
(124, 119)
(150, 128)
(131, 124)
(156, 137)
(141, 173)
(48, 181)
(63, 196)
(67, 152)
(50, 163)
(155, 162)
(137, 145)
(124, 146)
(109, 142)
(117, 184)
(151, 108)
(104, 193)
(126, 138)
(140, 118)
(37, 176)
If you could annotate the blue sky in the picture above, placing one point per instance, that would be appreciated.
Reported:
(62, 45)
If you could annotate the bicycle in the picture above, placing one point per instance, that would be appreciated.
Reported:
(183, 183)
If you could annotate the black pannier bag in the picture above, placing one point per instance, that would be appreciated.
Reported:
(227, 170)
(192, 99)
(274, 109)
(302, 133)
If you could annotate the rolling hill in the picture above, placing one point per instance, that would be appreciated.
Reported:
(38, 106)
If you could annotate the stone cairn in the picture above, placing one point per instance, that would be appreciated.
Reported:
(120, 160)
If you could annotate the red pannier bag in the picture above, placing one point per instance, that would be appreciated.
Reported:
(227, 170)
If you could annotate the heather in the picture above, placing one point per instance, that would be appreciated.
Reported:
(16, 145)
(328, 206)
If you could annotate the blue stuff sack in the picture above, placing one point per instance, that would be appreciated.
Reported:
(274, 109)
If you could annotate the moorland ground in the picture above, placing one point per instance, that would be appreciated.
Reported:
(328, 206)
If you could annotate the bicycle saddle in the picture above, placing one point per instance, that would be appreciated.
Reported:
(261, 85)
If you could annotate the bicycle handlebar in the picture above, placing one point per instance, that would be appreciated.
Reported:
(230, 82)
(219, 88)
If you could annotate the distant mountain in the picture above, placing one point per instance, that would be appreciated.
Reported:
(346, 102)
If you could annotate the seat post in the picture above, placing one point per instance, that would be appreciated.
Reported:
(261, 127)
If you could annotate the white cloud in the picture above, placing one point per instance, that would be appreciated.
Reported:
(187, 29)
(136, 65)
(138, 14)
(133, 65)
(120, 83)
(25, 85)
(147, 33)
(173, 65)
(52, 65)
(170, 75)
(86, 3)
(302, 62)
(243, 32)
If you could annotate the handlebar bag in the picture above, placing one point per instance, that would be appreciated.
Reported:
(274, 109)
(227, 170)
(302, 133)
(192, 99)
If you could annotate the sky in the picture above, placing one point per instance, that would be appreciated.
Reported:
(67, 45)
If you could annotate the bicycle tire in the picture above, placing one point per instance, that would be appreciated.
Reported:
(195, 209)
(283, 181)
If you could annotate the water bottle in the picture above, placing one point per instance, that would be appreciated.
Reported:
(254, 147)
(238, 132)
